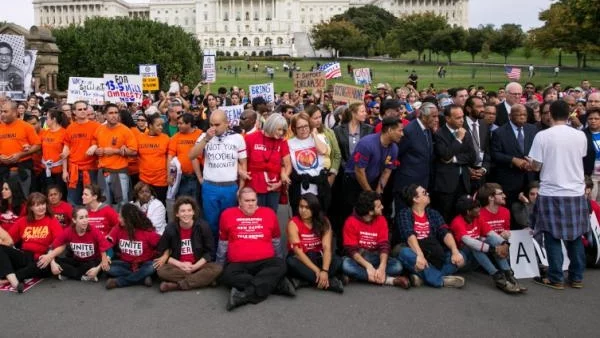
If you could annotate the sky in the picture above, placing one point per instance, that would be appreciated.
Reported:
(523, 12)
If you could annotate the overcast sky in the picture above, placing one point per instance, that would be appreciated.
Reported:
(523, 12)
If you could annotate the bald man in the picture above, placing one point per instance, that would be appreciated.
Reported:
(514, 91)
(224, 153)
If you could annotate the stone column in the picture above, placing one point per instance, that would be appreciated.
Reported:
(272, 9)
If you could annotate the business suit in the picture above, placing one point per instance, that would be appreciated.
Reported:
(501, 114)
(453, 158)
(504, 147)
(342, 132)
(482, 147)
(415, 154)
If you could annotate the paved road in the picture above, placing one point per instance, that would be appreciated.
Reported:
(71, 308)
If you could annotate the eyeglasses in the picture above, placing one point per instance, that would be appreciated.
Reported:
(376, 107)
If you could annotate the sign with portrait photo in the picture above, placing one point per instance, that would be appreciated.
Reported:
(12, 78)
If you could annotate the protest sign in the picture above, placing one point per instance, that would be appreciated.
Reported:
(149, 76)
(362, 76)
(309, 80)
(123, 88)
(264, 90)
(233, 114)
(209, 66)
(349, 94)
(541, 251)
(522, 255)
(596, 234)
(12, 76)
(88, 89)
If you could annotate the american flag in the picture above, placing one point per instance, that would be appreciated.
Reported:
(513, 73)
(332, 70)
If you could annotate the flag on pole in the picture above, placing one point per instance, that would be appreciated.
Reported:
(513, 73)
(332, 70)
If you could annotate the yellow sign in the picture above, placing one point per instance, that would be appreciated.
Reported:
(150, 83)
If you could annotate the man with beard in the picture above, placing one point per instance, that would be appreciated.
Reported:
(11, 77)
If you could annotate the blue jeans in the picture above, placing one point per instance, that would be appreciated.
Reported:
(74, 194)
(215, 199)
(478, 258)
(431, 275)
(352, 269)
(124, 178)
(270, 200)
(126, 277)
(576, 254)
(189, 186)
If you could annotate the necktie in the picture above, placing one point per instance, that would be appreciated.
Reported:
(476, 135)
(521, 139)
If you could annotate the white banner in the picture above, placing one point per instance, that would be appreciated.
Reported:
(233, 114)
(209, 66)
(522, 255)
(596, 234)
(541, 251)
(89, 89)
(362, 76)
(123, 88)
(264, 90)
(148, 71)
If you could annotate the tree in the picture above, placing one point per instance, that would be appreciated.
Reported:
(506, 39)
(119, 45)
(414, 31)
(475, 39)
(340, 36)
(448, 41)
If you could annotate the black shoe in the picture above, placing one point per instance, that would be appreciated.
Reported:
(237, 298)
(299, 283)
(20, 287)
(148, 281)
(503, 284)
(286, 288)
(335, 285)
(510, 276)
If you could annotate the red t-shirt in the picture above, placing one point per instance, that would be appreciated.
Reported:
(103, 219)
(87, 247)
(368, 236)
(249, 237)
(421, 226)
(264, 160)
(187, 255)
(36, 236)
(8, 219)
(309, 241)
(140, 249)
(63, 212)
(460, 228)
(498, 222)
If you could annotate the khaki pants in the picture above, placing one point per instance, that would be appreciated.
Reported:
(201, 278)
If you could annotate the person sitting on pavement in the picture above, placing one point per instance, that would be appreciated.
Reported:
(497, 217)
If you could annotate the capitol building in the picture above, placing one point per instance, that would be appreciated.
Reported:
(245, 27)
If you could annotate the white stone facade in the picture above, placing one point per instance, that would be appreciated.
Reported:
(243, 26)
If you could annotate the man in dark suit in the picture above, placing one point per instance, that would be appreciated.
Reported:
(455, 154)
(480, 134)
(514, 91)
(415, 152)
(510, 144)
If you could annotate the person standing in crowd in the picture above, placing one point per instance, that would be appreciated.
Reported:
(171, 126)
(82, 168)
(432, 255)
(61, 210)
(480, 135)
(146, 201)
(152, 151)
(12, 204)
(250, 250)
(19, 142)
(224, 168)
(101, 216)
(459, 96)
(331, 161)
(53, 150)
(179, 146)
(591, 161)
(187, 246)
(248, 122)
(514, 91)
(113, 143)
(561, 211)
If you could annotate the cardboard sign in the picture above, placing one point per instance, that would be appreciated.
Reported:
(264, 90)
(522, 255)
(349, 94)
(149, 76)
(209, 66)
(29, 283)
(233, 114)
(123, 88)
(89, 89)
(541, 251)
(596, 234)
(309, 80)
(362, 76)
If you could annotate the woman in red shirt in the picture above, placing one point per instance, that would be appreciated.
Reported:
(311, 257)
(35, 233)
(101, 216)
(11, 203)
(135, 242)
(62, 210)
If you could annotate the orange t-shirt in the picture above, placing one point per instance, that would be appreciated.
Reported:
(114, 138)
(180, 145)
(78, 138)
(52, 146)
(16, 135)
(152, 156)
(133, 166)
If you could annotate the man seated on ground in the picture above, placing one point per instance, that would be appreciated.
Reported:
(432, 255)
(492, 200)
(477, 240)
(367, 246)
(249, 240)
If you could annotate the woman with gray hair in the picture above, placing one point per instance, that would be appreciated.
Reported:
(269, 164)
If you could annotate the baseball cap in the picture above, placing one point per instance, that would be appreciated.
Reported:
(578, 89)
(380, 86)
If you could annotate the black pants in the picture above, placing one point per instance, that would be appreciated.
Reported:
(445, 203)
(21, 263)
(73, 268)
(54, 179)
(297, 269)
(257, 279)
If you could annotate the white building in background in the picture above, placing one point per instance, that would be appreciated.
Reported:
(278, 27)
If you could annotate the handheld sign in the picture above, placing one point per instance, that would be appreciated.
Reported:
(88, 89)
(123, 88)
(349, 94)
(541, 251)
(233, 114)
(362, 76)
(265, 90)
(309, 80)
(209, 66)
(149, 76)
(522, 255)
(596, 234)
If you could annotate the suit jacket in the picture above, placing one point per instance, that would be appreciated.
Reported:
(484, 141)
(415, 154)
(504, 147)
(501, 114)
(449, 174)
(341, 134)
(590, 158)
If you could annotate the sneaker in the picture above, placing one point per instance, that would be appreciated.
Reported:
(415, 280)
(111, 283)
(168, 286)
(335, 285)
(286, 288)
(453, 281)
(345, 280)
(548, 283)
(299, 283)
(503, 284)
(148, 281)
(86, 278)
(236, 298)
(20, 287)
(61, 277)
(576, 284)
(510, 276)
(402, 282)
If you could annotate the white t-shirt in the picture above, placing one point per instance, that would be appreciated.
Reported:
(306, 159)
(221, 155)
(560, 149)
